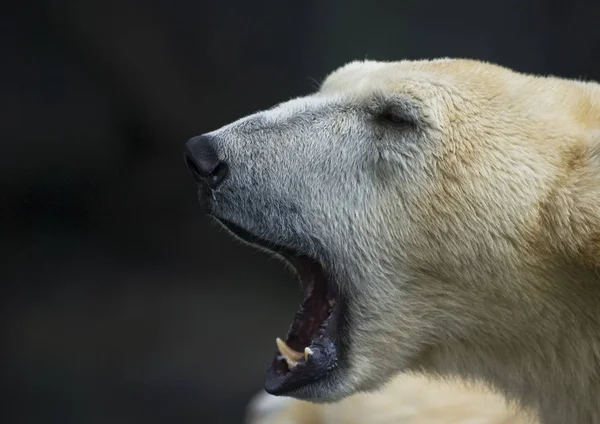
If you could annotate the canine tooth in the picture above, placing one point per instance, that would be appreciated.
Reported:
(307, 353)
(287, 351)
(331, 303)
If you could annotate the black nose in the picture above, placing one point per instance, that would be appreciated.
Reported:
(203, 162)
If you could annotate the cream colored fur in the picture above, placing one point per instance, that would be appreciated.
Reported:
(406, 400)
(503, 235)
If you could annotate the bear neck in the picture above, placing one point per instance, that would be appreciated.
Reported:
(544, 356)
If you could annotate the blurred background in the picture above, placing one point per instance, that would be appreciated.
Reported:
(124, 304)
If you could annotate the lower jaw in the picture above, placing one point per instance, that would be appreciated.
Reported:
(316, 376)
(311, 370)
(320, 366)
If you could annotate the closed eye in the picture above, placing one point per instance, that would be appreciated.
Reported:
(397, 111)
(394, 118)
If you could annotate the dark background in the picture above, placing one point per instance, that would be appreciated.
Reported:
(123, 303)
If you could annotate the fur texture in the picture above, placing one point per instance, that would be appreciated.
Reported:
(463, 232)
(406, 400)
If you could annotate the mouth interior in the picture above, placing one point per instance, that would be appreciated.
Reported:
(308, 352)
(310, 321)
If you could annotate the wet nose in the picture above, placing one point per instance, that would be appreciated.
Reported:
(203, 162)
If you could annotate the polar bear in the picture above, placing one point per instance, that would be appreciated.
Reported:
(443, 217)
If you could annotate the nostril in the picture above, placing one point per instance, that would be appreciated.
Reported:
(193, 168)
(213, 178)
(218, 174)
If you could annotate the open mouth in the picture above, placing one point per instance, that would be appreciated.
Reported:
(309, 352)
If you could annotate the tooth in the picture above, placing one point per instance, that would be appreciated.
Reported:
(331, 303)
(307, 353)
(289, 354)
(284, 349)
